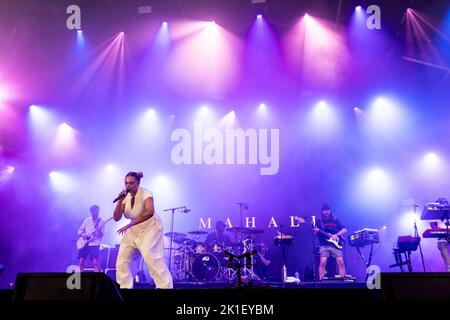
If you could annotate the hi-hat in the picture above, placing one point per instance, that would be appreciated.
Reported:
(197, 232)
(175, 234)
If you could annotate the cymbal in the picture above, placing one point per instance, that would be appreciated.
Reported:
(175, 234)
(197, 232)
(244, 230)
(183, 240)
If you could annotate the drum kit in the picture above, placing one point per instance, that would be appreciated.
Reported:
(197, 261)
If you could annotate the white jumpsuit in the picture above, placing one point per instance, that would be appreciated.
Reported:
(147, 237)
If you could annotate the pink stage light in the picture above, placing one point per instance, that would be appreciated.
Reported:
(229, 120)
(204, 61)
(317, 50)
(5, 174)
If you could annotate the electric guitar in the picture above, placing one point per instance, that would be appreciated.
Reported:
(339, 243)
(84, 240)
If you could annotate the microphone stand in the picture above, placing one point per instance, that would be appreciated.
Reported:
(172, 221)
(313, 225)
(245, 205)
(416, 234)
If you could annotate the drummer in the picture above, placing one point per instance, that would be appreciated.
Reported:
(218, 237)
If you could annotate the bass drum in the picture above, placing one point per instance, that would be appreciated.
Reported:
(205, 267)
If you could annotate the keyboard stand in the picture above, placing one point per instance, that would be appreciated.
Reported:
(399, 260)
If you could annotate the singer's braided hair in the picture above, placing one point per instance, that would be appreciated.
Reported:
(136, 175)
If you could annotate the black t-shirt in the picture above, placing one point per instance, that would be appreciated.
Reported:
(219, 238)
(331, 226)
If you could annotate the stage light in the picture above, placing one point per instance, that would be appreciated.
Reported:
(322, 120)
(431, 167)
(358, 8)
(228, 120)
(376, 187)
(3, 94)
(431, 159)
(61, 182)
(64, 144)
(262, 107)
(387, 116)
(165, 24)
(40, 120)
(204, 113)
(65, 134)
(259, 16)
(407, 221)
(6, 174)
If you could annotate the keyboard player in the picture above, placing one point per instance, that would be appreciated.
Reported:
(443, 243)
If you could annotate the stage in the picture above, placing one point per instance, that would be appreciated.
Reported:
(391, 287)
(269, 135)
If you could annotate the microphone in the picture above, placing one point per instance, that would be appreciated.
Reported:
(244, 204)
(121, 195)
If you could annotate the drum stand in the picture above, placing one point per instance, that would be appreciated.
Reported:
(172, 211)
(248, 267)
(238, 264)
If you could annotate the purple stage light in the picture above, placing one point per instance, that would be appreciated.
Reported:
(358, 8)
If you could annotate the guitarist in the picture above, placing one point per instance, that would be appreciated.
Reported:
(328, 223)
(93, 238)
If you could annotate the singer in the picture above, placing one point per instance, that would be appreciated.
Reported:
(144, 234)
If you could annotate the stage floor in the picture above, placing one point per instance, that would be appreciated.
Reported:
(394, 287)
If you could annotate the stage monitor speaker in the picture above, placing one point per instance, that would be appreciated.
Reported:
(415, 286)
(53, 286)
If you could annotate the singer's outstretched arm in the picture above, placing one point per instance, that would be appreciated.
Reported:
(118, 211)
(148, 213)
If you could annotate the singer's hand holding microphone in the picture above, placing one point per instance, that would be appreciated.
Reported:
(122, 194)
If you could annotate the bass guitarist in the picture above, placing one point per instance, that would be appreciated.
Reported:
(330, 231)
(91, 231)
